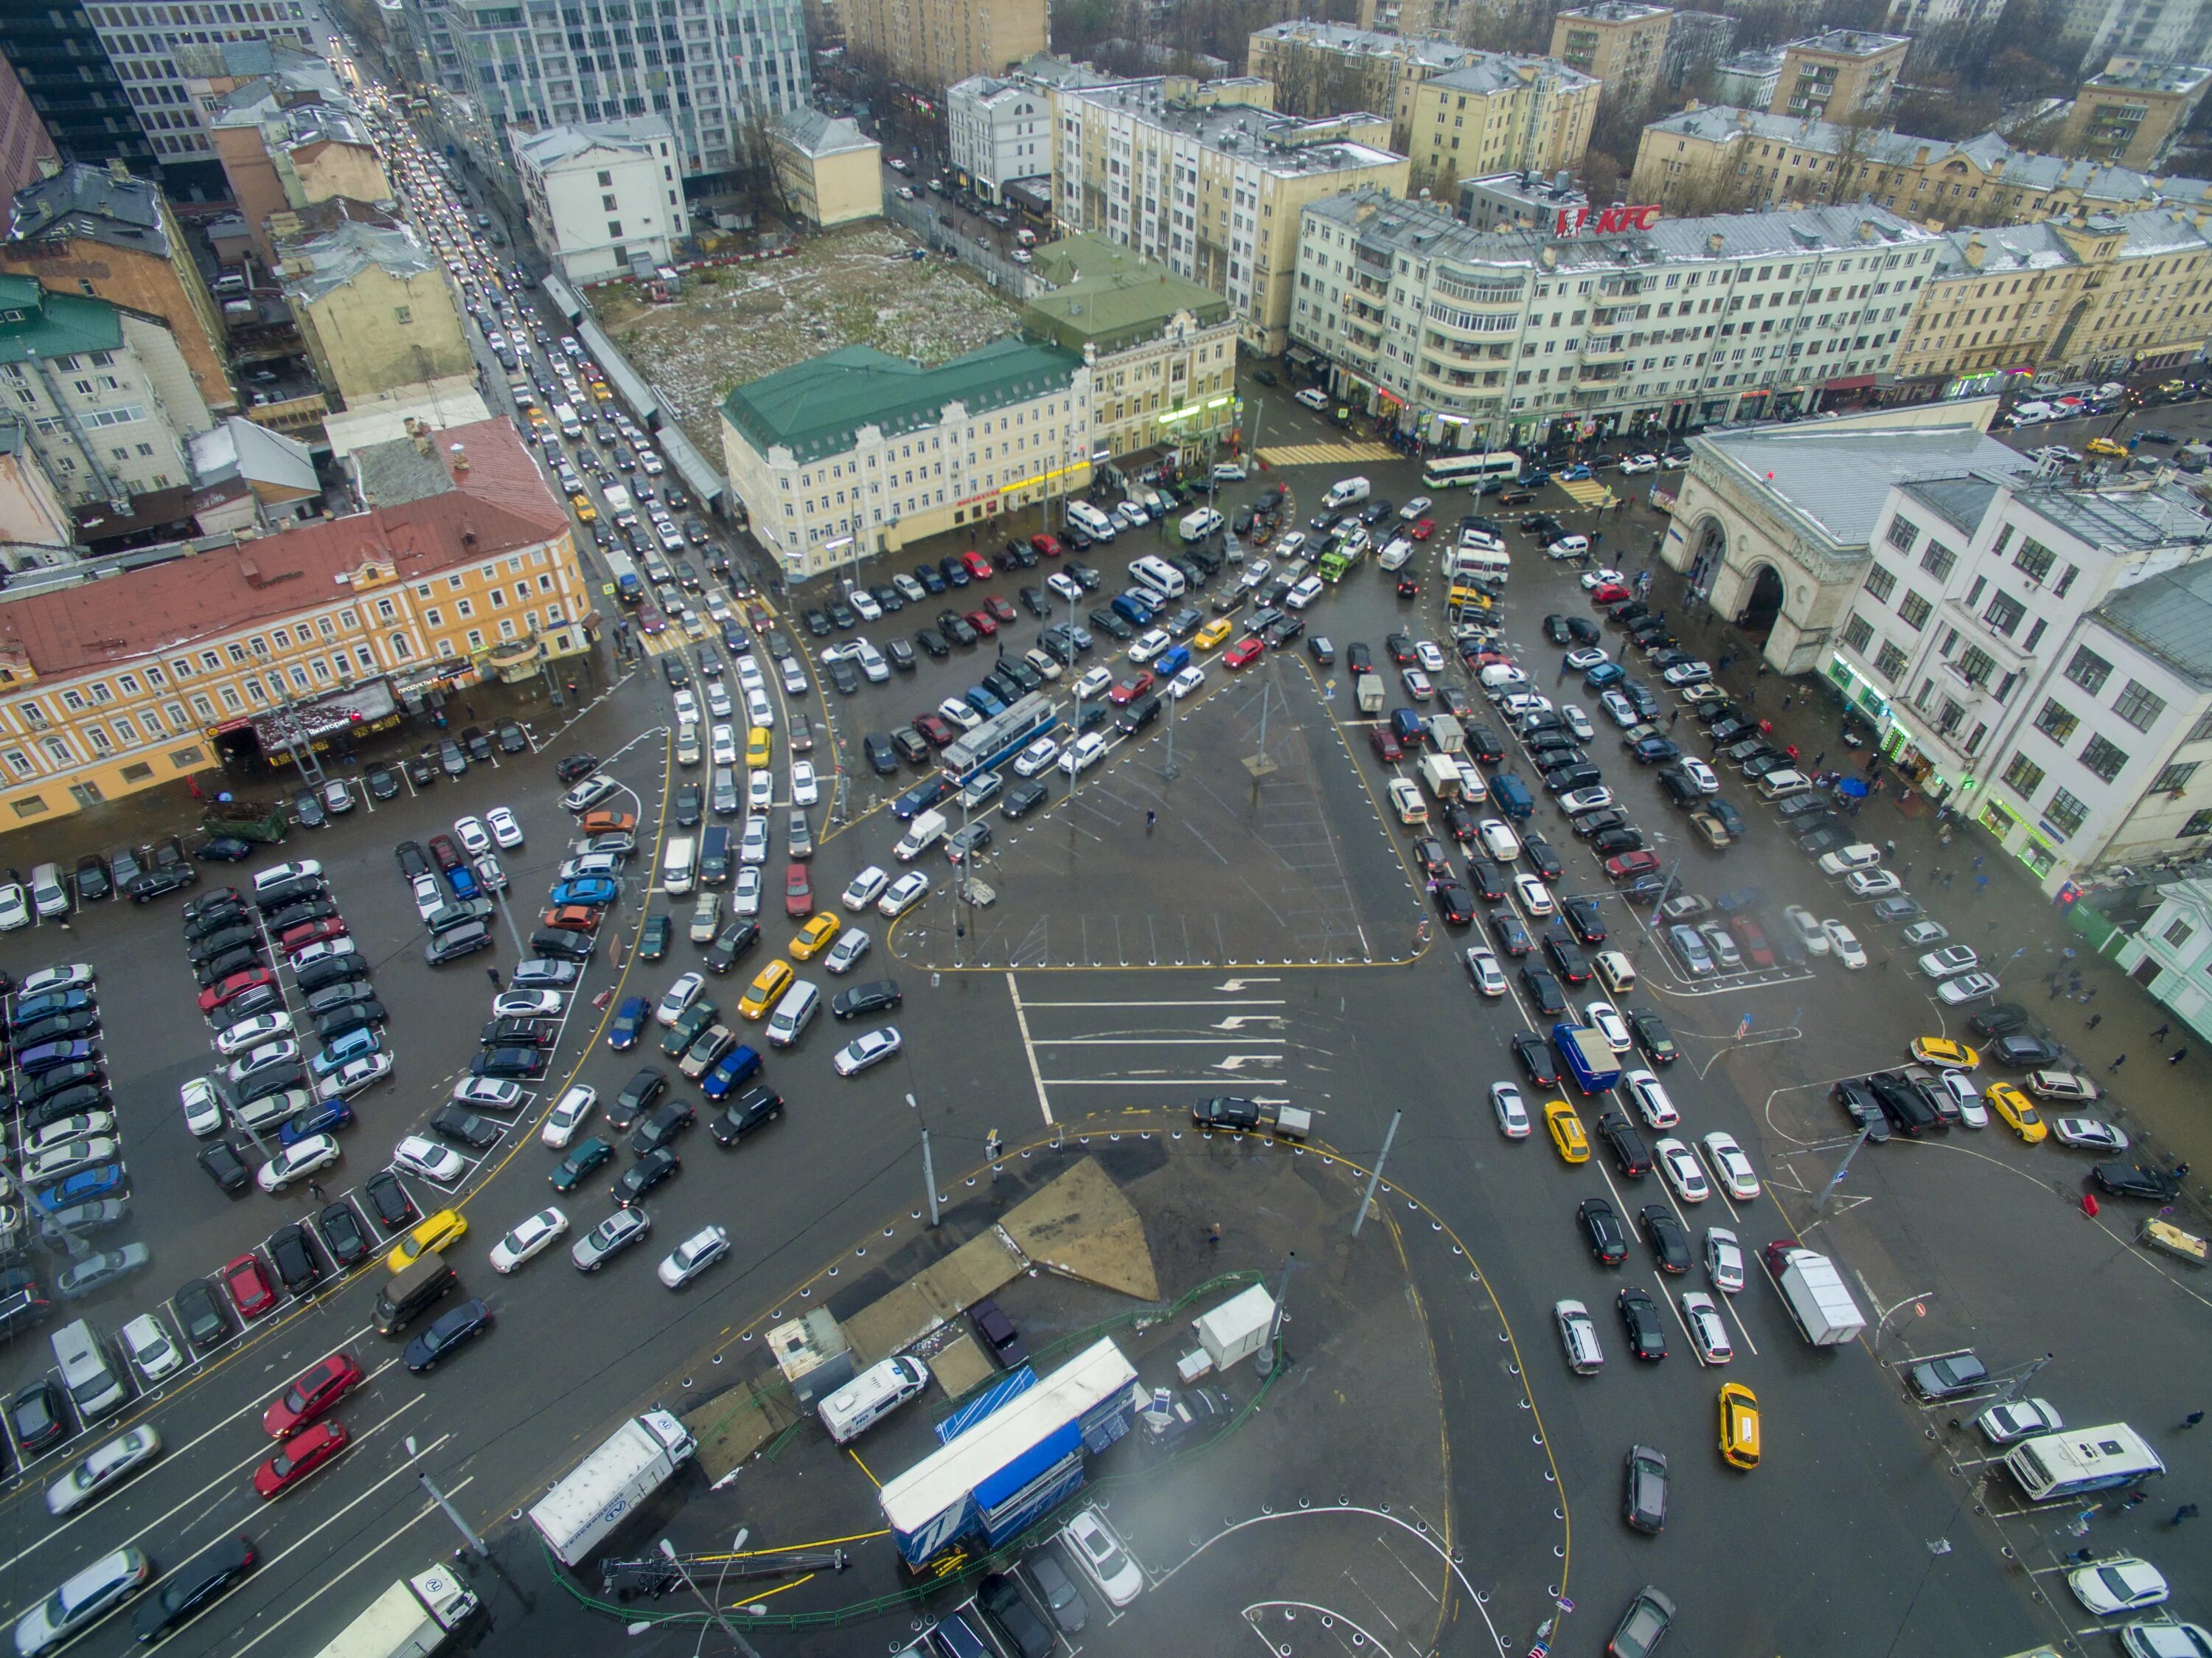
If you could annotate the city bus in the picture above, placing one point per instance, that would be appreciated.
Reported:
(999, 739)
(1444, 472)
(2049, 1466)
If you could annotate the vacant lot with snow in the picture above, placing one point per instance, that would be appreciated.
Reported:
(856, 286)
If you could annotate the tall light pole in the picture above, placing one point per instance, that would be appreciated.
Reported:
(928, 1169)
(475, 1544)
(668, 1553)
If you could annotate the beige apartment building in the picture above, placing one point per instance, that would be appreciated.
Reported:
(1497, 114)
(1318, 69)
(2130, 115)
(1622, 43)
(1210, 181)
(1838, 73)
(931, 44)
(830, 172)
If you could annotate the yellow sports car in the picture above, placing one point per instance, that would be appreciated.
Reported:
(1943, 1051)
(2009, 1103)
(1566, 1130)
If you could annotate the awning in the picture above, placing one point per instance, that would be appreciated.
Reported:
(1849, 383)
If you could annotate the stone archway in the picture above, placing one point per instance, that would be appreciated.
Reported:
(1764, 603)
(1709, 553)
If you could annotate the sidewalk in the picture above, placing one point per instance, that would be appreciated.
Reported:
(2161, 1106)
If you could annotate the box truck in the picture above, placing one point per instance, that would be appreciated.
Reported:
(1814, 1293)
(1590, 1057)
(1368, 687)
(610, 1485)
(414, 1618)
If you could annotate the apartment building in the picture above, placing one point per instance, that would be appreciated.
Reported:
(1622, 43)
(1715, 157)
(2170, 954)
(1839, 74)
(928, 45)
(830, 172)
(288, 142)
(1748, 79)
(2116, 292)
(2130, 113)
(54, 51)
(856, 453)
(998, 130)
(1210, 181)
(2034, 652)
(111, 685)
(1497, 114)
(1491, 336)
(375, 309)
(26, 146)
(1162, 350)
(601, 196)
(2156, 31)
(1321, 69)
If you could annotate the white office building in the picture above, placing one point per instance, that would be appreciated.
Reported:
(1001, 130)
(603, 198)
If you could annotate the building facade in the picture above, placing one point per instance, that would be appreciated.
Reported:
(1622, 43)
(113, 685)
(830, 172)
(2156, 31)
(1485, 338)
(599, 196)
(1319, 69)
(1496, 114)
(24, 144)
(1534, 200)
(1162, 350)
(928, 45)
(375, 309)
(55, 53)
(1839, 74)
(857, 452)
(2170, 954)
(2130, 113)
(998, 130)
(287, 142)
(1211, 187)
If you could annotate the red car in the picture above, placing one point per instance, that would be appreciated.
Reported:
(978, 565)
(1130, 689)
(311, 932)
(1046, 545)
(448, 855)
(247, 1280)
(936, 730)
(1423, 529)
(304, 1453)
(1629, 865)
(1246, 650)
(650, 620)
(1000, 608)
(797, 891)
(236, 985)
(1612, 593)
(1386, 744)
(983, 622)
(572, 918)
(318, 1388)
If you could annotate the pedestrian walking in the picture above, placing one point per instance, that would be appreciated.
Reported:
(1889, 848)
(1674, 719)
(492, 973)
(1818, 758)
(2176, 1056)
(2192, 1419)
(1785, 705)
(2186, 1511)
(1150, 818)
(1213, 1232)
(2163, 1030)
(1905, 874)
(315, 1188)
(2056, 989)
(2095, 1020)
(2116, 1064)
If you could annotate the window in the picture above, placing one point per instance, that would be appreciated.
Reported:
(1915, 610)
(2034, 560)
(2023, 777)
(2088, 670)
(2005, 614)
(403, 313)
(2200, 823)
(1881, 582)
(2139, 706)
(1890, 663)
(30, 806)
(2103, 757)
(2172, 779)
(2056, 722)
(1977, 665)
(1902, 535)
(2177, 934)
(1858, 633)
(2066, 815)
(1938, 560)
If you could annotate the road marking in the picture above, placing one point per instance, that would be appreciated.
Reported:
(1138, 1081)
(1029, 1049)
(1154, 1042)
(1271, 1002)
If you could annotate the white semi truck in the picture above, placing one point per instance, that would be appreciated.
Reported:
(636, 1460)
(415, 1617)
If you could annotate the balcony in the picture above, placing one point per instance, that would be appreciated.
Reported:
(1609, 348)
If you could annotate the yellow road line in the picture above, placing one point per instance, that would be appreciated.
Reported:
(863, 1467)
(778, 1589)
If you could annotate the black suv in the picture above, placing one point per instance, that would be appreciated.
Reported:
(745, 1113)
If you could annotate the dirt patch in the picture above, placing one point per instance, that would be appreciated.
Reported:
(859, 285)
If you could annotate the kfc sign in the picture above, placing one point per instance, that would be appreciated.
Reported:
(1572, 219)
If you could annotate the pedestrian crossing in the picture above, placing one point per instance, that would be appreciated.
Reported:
(1587, 491)
(1325, 455)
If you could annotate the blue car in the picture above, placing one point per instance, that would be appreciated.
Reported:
(54, 1002)
(1577, 473)
(629, 1023)
(48, 1055)
(86, 1186)
(586, 889)
(734, 1067)
(316, 1120)
(1604, 674)
(464, 881)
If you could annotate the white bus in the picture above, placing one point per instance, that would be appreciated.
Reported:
(2048, 1467)
(1444, 472)
(1156, 576)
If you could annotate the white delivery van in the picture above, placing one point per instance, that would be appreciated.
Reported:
(1344, 492)
(871, 1396)
(565, 419)
(1155, 575)
(1091, 522)
(679, 865)
(1197, 526)
(924, 832)
(793, 1015)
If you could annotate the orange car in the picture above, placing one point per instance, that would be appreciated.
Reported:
(572, 918)
(610, 823)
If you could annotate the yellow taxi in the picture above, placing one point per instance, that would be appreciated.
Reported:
(2009, 1103)
(767, 985)
(1566, 1130)
(815, 936)
(444, 1228)
(1211, 635)
(1945, 1054)
(585, 512)
(758, 745)
(2106, 446)
(1739, 1425)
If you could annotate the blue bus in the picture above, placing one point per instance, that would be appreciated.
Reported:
(1000, 738)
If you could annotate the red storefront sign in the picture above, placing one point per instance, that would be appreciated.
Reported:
(1571, 220)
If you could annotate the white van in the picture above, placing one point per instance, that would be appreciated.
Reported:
(1779, 785)
(565, 419)
(679, 865)
(793, 1015)
(1091, 522)
(1197, 526)
(871, 1396)
(48, 890)
(1155, 575)
(1344, 492)
(924, 832)
(94, 1387)
(1478, 564)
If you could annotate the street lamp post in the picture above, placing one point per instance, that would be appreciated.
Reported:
(475, 1544)
(668, 1553)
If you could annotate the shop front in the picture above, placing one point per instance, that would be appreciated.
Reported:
(335, 720)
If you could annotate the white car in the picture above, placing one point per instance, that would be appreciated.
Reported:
(864, 605)
(760, 790)
(845, 954)
(1498, 839)
(279, 874)
(569, 1115)
(1512, 1112)
(1652, 1098)
(1536, 897)
(1860, 854)
(325, 950)
(722, 745)
(1037, 757)
(1873, 883)
(429, 896)
(297, 1162)
(1592, 580)
(1610, 1025)
(1967, 987)
(719, 705)
(1568, 547)
(504, 829)
(1845, 944)
(2126, 1583)
(490, 1093)
(1060, 582)
(1304, 594)
(1316, 399)
(686, 705)
(1578, 723)
(1483, 970)
(680, 994)
(869, 1048)
(1406, 800)
(251, 1032)
(1709, 1334)
(1697, 772)
(1150, 645)
(902, 894)
(1085, 752)
(956, 713)
(152, 1347)
(1639, 463)
(806, 789)
(1621, 711)
(1089, 1538)
(1737, 1177)
(745, 891)
(752, 846)
(864, 888)
(490, 875)
(1417, 684)
(1687, 673)
(354, 1076)
(693, 1256)
(440, 1165)
(60, 1132)
(2001, 1424)
(2087, 1134)
(1806, 930)
(15, 907)
(475, 838)
(1093, 685)
(106, 1468)
(75, 976)
(202, 1107)
(1431, 655)
(525, 1004)
(532, 1237)
(1683, 1172)
(282, 1051)
(1576, 801)
(1724, 1261)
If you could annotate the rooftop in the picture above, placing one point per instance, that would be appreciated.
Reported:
(499, 504)
(321, 264)
(1497, 71)
(2121, 518)
(1370, 43)
(1835, 482)
(2170, 618)
(35, 323)
(1848, 43)
(1111, 297)
(1615, 11)
(98, 204)
(814, 134)
(1064, 72)
(555, 144)
(817, 407)
(2130, 74)
(238, 448)
(1287, 145)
